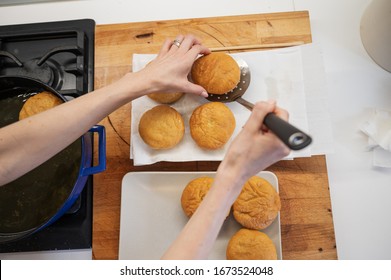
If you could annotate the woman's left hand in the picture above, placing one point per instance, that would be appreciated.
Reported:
(169, 70)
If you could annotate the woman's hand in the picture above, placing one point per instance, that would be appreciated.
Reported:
(252, 150)
(255, 148)
(169, 70)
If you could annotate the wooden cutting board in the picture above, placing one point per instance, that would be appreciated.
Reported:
(306, 214)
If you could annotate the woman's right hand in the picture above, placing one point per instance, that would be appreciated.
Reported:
(252, 150)
(255, 147)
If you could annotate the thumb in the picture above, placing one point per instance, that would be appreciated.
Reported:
(195, 89)
(260, 110)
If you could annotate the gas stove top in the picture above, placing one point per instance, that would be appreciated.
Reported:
(61, 55)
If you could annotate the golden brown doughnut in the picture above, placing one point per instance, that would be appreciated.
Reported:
(194, 193)
(257, 205)
(38, 103)
(161, 127)
(165, 98)
(248, 244)
(212, 125)
(218, 73)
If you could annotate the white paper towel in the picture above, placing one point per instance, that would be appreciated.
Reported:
(275, 74)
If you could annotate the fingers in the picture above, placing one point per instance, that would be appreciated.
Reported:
(180, 55)
(195, 89)
(170, 46)
(178, 41)
(176, 44)
(188, 41)
(197, 50)
(283, 114)
(165, 48)
(187, 47)
(184, 44)
(260, 110)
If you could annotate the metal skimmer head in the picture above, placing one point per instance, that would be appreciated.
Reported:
(240, 88)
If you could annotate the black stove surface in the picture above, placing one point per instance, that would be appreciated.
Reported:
(60, 54)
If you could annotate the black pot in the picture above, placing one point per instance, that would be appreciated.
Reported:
(43, 195)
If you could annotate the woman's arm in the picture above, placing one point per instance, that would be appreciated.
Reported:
(26, 144)
(254, 149)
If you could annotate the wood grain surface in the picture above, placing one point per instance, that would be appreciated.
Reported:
(306, 214)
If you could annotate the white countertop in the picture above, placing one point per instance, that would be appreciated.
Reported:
(360, 193)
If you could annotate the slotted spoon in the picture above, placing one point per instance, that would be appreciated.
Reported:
(293, 137)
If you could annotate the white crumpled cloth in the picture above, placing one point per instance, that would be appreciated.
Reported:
(378, 129)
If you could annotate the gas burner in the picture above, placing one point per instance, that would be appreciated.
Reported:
(63, 67)
(49, 73)
(45, 69)
(32, 70)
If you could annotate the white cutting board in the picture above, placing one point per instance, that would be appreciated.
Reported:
(152, 216)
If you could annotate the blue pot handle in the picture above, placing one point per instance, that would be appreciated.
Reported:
(100, 129)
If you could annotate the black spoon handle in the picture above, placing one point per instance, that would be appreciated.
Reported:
(293, 137)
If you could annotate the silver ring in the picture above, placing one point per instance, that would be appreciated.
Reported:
(176, 43)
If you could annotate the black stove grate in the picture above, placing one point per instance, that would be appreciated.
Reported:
(59, 54)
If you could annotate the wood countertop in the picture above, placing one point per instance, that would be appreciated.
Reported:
(306, 215)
